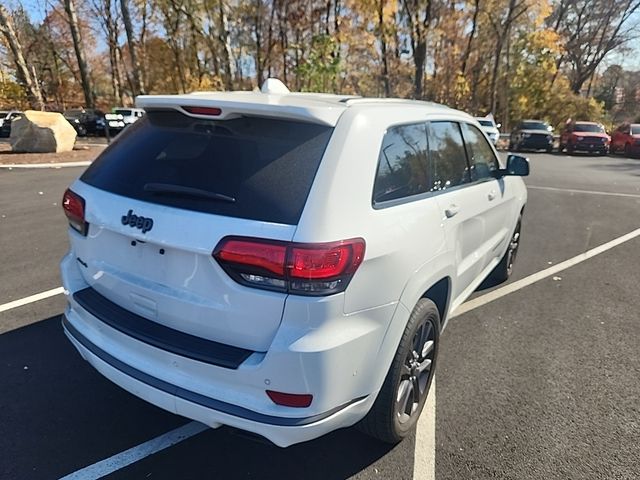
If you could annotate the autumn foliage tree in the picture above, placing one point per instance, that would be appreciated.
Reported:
(512, 58)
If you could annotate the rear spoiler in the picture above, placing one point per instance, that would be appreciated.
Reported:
(229, 105)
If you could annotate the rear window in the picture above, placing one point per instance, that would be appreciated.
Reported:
(267, 166)
(535, 126)
(588, 127)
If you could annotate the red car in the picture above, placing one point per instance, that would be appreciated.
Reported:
(585, 137)
(626, 138)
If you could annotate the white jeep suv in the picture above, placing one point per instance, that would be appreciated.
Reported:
(284, 263)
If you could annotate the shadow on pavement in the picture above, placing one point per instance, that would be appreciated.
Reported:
(59, 415)
(623, 165)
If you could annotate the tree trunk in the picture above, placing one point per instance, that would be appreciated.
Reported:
(138, 87)
(419, 57)
(383, 49)
(418, 27)
(257, 30)
(34, 93)
(494, 75)
(112, 42)
(85, 80)
(474, 25)
(227, 56)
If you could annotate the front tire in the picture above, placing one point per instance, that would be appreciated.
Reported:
(406, 386)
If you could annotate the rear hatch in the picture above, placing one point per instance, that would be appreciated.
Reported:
(163, 195)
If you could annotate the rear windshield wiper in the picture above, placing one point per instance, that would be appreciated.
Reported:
(169, 189)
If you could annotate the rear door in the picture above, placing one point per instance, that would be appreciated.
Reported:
(163, 195)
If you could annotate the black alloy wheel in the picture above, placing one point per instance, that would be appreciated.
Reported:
(512, 250)
(404, 392)
(416, 373)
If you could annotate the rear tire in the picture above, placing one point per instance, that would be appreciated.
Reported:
(504, 269)
(406, 386)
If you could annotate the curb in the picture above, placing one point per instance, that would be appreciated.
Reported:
(11, 166)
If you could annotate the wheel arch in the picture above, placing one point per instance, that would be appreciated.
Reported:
(440, 294)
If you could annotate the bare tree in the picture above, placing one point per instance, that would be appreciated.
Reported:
(592, 29)
(109, 24)
(501, 24)
(138, 84)
(418, 15)
(24, 75)
(85, 79)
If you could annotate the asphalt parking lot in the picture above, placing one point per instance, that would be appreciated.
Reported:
(543, 382)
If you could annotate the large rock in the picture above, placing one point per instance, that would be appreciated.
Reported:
(41, 132)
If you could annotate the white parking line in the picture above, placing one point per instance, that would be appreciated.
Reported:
(517, 285)
(424, 456)
(30, 299)
(591, 192)
(134, 454)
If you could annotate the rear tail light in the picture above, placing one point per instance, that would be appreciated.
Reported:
(298, 268)
(73, 206)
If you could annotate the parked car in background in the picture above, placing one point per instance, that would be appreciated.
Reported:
(225, 266)
(626, 139)
(5, 127)
(531, 135)
(584, 137)
(86, 121)
(490, 128)
(122, 117)
(3, 113)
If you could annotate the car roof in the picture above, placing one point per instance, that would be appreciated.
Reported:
(586, 123)
(321, 108)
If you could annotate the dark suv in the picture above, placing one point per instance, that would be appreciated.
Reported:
(5, 123)
(86, 121)
(531, 135)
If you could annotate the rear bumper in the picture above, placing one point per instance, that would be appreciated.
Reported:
(282, 431)
(317, 350)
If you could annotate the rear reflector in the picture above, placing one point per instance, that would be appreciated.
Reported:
(290, 399)
(299, 268)
(73, 206)
(209, 111)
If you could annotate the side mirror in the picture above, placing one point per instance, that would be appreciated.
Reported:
(516, 165)
(498, 125)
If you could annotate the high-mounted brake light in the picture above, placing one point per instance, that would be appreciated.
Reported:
(73, 206)
(209, 111)
(298, 268)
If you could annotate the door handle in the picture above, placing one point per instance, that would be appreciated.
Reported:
(492, 194)
(451, 210)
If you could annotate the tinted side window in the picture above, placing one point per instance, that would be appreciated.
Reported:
(481, 158)
(402, 163)
(448, 165)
